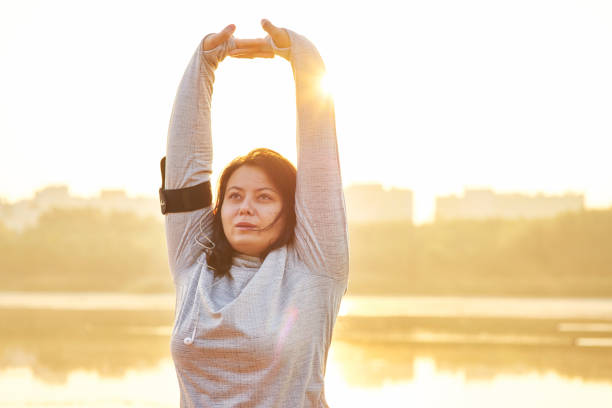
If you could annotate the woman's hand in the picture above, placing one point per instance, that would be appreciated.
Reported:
(279, 35)
(214, 40)
(260, 47)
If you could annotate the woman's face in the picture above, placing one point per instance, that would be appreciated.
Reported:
(250, 206)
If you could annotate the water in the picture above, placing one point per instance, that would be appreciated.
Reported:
(429, 386)
(108, 350)
(372, 306)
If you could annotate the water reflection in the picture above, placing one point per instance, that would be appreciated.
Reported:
(103, 358)
(152, 387)
(386, 348)
(429, 386)
(434, 387)
(54, 343)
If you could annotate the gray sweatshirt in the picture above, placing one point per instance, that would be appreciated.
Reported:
(261, 338)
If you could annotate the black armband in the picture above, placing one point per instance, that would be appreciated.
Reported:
(183, 199)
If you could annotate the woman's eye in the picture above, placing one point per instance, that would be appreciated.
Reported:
(265, 197)
(234, 196)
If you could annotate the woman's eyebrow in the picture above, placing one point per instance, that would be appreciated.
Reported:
(258, 189)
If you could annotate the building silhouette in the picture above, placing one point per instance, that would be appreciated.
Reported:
(484, 203)
(25, 213)
(370, 202)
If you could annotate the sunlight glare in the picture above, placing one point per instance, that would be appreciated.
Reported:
(326, 84)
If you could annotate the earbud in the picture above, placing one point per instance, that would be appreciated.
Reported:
(188, 340)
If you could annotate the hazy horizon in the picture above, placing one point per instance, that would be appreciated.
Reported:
(421, 214)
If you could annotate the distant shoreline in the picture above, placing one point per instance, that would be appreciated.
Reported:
(356, 306)
(569, 256)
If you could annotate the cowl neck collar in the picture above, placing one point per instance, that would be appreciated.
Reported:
(246, 261)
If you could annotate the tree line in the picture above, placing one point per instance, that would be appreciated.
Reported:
(570, 255)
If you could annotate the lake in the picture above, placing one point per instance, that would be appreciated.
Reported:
(110, 350)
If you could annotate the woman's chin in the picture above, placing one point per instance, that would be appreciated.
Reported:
(246, 246)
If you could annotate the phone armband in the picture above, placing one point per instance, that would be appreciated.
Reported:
(183, 199)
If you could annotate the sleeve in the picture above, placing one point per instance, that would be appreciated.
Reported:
(189, 156)
(321, 237)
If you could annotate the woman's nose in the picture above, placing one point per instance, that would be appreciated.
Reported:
(245, 208)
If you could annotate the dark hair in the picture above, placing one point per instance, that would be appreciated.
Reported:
(283, 175)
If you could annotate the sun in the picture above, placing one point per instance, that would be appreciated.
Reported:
(325, 84)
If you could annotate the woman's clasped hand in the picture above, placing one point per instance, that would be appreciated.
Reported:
(250, 47)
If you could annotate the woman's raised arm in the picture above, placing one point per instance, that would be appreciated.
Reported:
(321, 237)
(189, 147)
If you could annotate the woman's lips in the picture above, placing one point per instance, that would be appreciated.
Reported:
(245, 225)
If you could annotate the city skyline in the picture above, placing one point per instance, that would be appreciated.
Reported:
(423, 206)
(368, 202)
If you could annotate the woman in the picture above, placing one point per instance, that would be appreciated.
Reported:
(260, 276)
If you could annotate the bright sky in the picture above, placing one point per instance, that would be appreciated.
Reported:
(431, 95)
